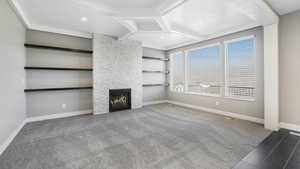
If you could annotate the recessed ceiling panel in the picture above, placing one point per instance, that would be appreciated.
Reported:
(207, 17)
(147, 25)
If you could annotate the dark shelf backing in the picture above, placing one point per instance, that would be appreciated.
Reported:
(56, 89)
(155, 58)
(149, 71)
(56, 68)
(152, 85)
(57, 48)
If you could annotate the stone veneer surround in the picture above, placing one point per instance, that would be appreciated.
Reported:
(117, 65)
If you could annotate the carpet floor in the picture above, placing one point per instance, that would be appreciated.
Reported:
(160, 136)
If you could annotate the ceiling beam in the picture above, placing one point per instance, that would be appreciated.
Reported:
(169, 5)
(20, 13)
(268, 10)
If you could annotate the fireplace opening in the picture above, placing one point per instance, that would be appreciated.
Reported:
(119, 99)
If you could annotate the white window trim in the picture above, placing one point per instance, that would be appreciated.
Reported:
(203, 94)
(223, 44)
(187, 73)
(204, 46)
(226, 94)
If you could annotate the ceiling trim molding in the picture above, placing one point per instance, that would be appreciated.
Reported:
(61, 31)
(163, 24)
(18, 10)
(20, 13)
(147, 45)
(168, 7)
(216, 35)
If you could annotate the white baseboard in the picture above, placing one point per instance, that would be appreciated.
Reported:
(289, 126)
(220, 112)
(11, 137)
(154, 102)
(57, 116)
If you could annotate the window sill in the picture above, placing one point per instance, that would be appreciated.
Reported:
(213, 95)
(241, 99)
(202, 94)
(195, 93)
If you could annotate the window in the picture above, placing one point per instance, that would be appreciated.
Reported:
(177, 72)
(204, 70)
(240, 79)
(225, 69)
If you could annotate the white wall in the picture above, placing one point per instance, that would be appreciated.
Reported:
(12, 75)
(249, 108)
(289, 68)
(117, 65)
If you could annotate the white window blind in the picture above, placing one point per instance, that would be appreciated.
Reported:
(204, 70)
(240, 77)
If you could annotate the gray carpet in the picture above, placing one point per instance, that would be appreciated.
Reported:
(154, 137)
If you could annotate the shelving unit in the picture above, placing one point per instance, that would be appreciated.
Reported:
(57, 89)
(57, 48)
(35, 46)
(155, 58)
(155, 71)
(56, 68)
(152, 85)
(149, 71)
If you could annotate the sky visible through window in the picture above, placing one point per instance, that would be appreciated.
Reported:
(204, 65)
(241, 63)
(205, 69)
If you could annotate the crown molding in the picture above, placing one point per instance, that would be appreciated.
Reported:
(20, 13)
(61, 31)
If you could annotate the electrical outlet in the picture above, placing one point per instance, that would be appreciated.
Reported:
(217, 103)
(63, 106)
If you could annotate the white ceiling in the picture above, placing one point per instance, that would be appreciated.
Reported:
(284, 6)
(162, 24)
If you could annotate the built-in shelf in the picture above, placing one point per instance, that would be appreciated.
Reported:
(57, 48)
(155, 58)
(56, 68)
(56, 89)
(149, 71)
(152, 85)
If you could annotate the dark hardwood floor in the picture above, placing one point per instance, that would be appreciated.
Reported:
(280, 150)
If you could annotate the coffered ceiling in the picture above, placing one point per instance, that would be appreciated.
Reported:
(162, 24)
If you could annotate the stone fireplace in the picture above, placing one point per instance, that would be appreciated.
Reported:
(119, 99)
(117, 64)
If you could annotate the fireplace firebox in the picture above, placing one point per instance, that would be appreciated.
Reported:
(119, 99)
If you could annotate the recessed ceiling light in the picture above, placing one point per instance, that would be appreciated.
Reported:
(84, 19)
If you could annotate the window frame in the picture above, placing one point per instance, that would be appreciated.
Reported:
(219, 44)
(223, 43)
(226, 67)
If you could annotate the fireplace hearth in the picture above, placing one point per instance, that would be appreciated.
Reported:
(119, 99)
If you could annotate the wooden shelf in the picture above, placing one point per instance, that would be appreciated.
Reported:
(56, 89)
(56, 68)
(149, 71)
(155, 58)
(152, 85)
(57, 48)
